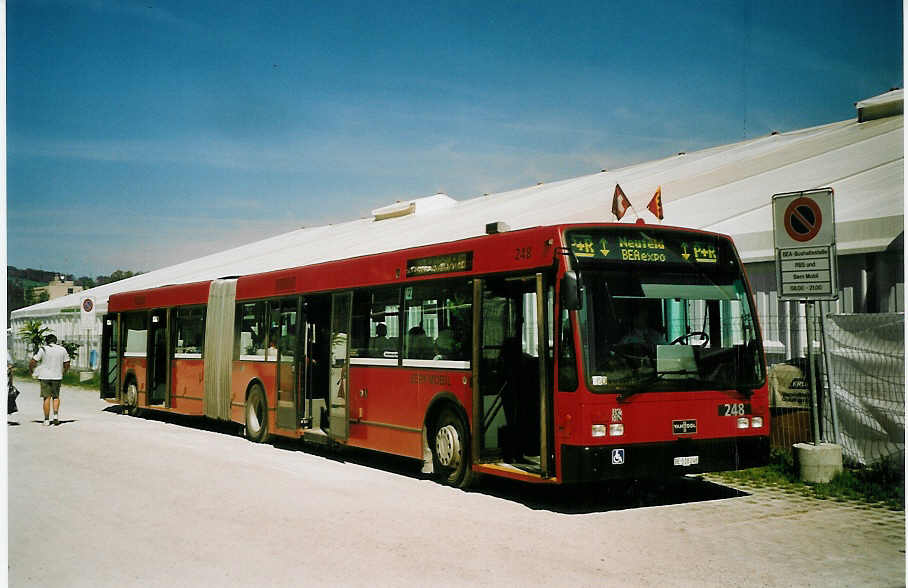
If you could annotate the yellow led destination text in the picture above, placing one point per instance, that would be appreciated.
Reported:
(701, 253)
(583, 246)
(646, 250)
(705, 253)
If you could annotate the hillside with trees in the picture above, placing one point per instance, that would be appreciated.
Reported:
(21, 282)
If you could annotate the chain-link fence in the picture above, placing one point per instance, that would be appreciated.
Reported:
(860, 383)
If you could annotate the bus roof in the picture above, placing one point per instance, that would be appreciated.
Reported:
(510, 251)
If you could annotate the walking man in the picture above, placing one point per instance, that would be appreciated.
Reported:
(49, 365)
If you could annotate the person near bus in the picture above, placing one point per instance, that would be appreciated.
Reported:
(48, 365)
(419, 346)
(381, 343)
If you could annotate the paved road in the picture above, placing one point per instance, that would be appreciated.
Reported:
(110, 500)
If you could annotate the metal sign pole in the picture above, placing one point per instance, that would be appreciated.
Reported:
(814, 407)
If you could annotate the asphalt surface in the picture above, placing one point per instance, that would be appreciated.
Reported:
(105, 499)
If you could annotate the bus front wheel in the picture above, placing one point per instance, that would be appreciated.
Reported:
(451, 450)
(257, 415)
(131, 399)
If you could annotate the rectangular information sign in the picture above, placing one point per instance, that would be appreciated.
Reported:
(804, 236)
(807, 274)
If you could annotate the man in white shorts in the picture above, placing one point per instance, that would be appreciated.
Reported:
(49, 365)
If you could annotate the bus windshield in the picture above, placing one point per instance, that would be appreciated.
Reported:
(652, 329)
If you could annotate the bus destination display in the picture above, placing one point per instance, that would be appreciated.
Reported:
(440, 264)
(640, 247)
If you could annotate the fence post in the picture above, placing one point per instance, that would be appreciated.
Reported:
(834, 413)
(786, 325)
(811, 369)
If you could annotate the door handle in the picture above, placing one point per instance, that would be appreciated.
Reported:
(363, 393)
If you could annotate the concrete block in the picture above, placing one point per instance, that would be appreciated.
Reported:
(818, 463)
(85, 376)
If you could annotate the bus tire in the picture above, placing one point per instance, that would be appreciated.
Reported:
(257, 415)
(451, 457)
(131, 398)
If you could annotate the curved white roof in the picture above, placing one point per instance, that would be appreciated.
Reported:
(727, 189)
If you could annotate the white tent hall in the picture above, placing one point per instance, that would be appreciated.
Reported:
(727, 189)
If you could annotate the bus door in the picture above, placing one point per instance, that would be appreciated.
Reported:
(158, 358)
(512, 399)
(338, 390)
(314, 367)
(288, 347)
(110, 363)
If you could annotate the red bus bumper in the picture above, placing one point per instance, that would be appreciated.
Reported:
(661, 460)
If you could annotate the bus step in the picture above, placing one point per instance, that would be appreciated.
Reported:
(316, 436)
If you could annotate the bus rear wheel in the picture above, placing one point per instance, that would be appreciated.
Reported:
(451, 450)
(257, 415)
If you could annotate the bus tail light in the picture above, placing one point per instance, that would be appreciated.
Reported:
(756, 422)
(743, 422)
(598, 431)
(616, 429)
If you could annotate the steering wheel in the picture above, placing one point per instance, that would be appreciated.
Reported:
(687, 337)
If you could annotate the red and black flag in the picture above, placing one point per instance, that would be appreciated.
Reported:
(655, 204)
(620, 203)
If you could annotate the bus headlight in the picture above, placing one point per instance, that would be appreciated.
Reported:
(743, 423)
(756, 422)
(599, 430)
(616, 429)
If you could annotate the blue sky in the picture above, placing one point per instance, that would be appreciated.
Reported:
(143, 134)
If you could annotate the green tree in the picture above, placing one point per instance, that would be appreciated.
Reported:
(32, 296)
(33, 332)
(85, 282)
(71, 348)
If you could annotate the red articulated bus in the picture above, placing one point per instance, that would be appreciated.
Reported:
(560, 354)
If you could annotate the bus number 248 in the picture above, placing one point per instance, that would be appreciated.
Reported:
(738, 409)
(523, 253)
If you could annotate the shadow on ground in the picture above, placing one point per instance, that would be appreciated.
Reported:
(567, 499)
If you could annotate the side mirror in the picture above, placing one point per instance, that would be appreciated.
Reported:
(571, 291)
(746, 364)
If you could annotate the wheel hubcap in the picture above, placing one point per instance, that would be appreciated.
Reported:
(447, 446)
(132, 396)
(252, 417)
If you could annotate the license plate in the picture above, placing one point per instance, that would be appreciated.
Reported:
(687, 460)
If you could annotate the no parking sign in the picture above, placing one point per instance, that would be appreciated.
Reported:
(87, 310)
(804, 234)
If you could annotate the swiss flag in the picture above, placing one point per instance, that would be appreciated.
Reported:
(620, 203)
(655, 204)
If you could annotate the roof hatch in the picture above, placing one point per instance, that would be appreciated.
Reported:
(885, 105)
(415, 206)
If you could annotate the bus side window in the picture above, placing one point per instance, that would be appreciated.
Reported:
(189, 330)
(250, 331)
(439, 321)
(567, 358)
(135, 330)
(376, 323)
